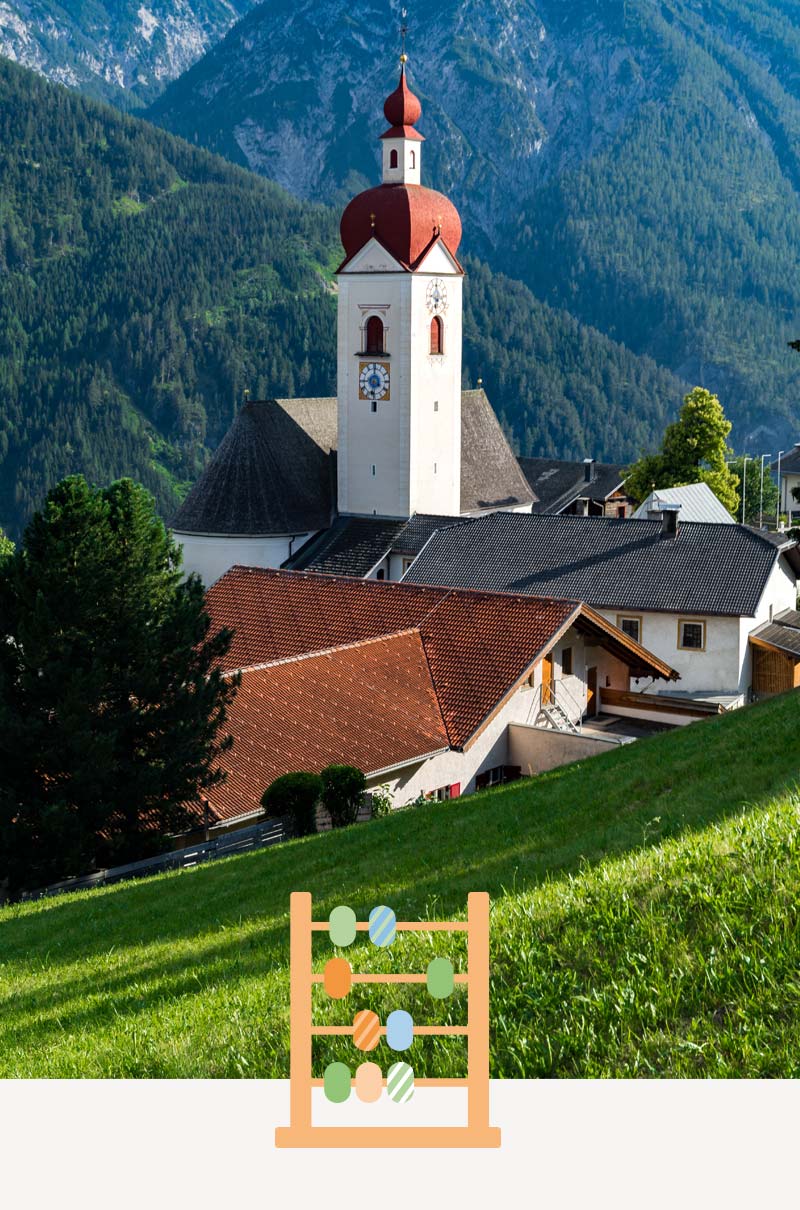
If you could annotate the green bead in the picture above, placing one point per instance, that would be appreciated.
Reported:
(440, 978)
(342, 921)
(337, 1082)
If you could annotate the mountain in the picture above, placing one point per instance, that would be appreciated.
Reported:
(145, 284)
(635, 164)
(123, 52)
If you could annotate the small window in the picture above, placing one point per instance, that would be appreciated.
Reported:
(406, 565)
(412, 158)
(381, 574)
(437, 336)
(374, 407)
(630, 625)
(436, 405)
(691, 635)
(374, 334)
(566, 662)
(373, 470)
(393, 158)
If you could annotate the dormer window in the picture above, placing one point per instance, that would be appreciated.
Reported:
(437, 336)
(374, 335)
(412, 158)
(393, 158)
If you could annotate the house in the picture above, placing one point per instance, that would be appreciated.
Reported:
(696, 502)
(587, 488)
(787, 468)
(401, 438)
(430, 691)
(692, 593)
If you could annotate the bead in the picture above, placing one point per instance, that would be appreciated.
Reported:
(440, 978)
(369, 1082)
(382, 922)
(337, 1082)
(400, 1082)
(366, 1030)
(399, 1029)
(342, 922)
(337, 978)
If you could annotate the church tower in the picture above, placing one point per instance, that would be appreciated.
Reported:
(399, 336)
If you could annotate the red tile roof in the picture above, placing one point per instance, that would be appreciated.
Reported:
(372, 705)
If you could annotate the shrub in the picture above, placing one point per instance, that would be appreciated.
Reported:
(342, 791)
(295, 795)
(381, 802)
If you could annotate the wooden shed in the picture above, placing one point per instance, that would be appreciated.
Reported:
(776, 654)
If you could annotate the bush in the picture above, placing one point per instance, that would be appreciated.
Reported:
(295, 795)
(342, 791)
(381, 802)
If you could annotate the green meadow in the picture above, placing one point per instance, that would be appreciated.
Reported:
(644, 923)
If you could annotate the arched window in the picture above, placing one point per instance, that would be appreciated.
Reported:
(374, 334)
(393, 158)
(412, 158)
(437, 336)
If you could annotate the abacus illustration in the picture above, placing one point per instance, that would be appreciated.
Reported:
(399, 1031)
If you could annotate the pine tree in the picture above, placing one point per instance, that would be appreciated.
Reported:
(112, 708)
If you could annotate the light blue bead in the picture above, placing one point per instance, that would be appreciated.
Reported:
(382, 924)
(399, 1029)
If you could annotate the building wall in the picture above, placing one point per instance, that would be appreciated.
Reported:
(717, 669)
(211, 556)
(788, 484)
(780, 593)
(413, 439)
(537, 749)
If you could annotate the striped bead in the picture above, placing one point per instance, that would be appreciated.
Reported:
(366, 1030)
(400, 1082)
(382, 926)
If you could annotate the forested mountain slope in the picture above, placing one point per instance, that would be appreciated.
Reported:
(635, 163)
(144, 285)
(124, 51)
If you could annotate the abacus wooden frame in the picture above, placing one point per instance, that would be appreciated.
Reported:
(478, 1132)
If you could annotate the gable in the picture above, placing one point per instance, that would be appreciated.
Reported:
(373, 258)
(438, 260)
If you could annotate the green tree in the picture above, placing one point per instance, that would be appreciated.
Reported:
(343, 789)
(751, 487)
(6, 547)
(111, 702)
(295, 795)
(694, 450)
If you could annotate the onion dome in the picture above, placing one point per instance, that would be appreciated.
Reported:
(402, 110)
(404, 218)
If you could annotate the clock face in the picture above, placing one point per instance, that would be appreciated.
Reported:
(436, 296)
(373, 380)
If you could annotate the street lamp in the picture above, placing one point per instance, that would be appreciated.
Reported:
(778, 509)
(761, 504)
(744, 483)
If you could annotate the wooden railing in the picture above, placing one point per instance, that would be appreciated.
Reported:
(663, 703)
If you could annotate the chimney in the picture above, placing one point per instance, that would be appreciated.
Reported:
(669, 520)
(588, 470)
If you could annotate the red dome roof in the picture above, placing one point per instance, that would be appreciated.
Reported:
(405, 218)
(402, 108)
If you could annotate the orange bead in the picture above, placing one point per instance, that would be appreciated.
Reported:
(338, 977)
(366, 1030)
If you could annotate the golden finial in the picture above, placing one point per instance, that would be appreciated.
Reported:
(403, 33)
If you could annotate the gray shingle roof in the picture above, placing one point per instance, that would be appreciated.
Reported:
(274, 474)
(786, 638)
(697, 501)
(351, 547)
(706, 569)
(557, 483)
(790, 462)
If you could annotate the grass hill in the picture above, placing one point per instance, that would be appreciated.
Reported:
(644, 923)
(144, 284)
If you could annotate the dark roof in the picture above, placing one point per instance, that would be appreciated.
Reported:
(790, 462)
(557, 483)
(272, 474)
(490, 474)
(607, 562)
(416, 532)
(351, 547)
(788, 617)
(785, 638)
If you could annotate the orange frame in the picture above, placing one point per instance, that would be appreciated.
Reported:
(478, 1132)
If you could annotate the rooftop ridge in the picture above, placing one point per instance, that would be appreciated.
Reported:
(312, 655)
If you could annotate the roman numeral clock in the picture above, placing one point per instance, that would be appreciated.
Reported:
(373, 380)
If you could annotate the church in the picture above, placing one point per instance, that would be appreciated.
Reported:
(356, 484)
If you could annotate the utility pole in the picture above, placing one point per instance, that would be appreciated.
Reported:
(744, 484)
(778, 509)
(761, 503)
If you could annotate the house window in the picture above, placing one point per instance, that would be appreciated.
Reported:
(436, 405)
(437, 336)
(412, 158)
(446, 792)
(406, 565)
(496, 776)
(393, 158)
(630, 624)
(691, 635)
(373, 470)
(381, 574)
(566, 662)
(374, 334)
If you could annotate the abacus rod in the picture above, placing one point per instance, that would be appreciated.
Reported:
(421, 1082)
(390, 978)
(330, 1031)
(404, 926)
(478, 1010)
(300, 1009)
